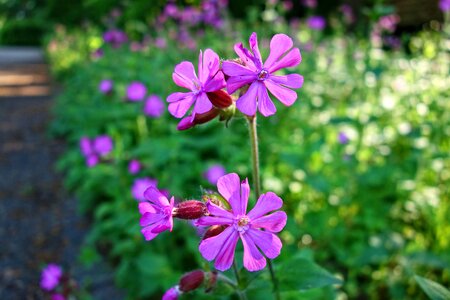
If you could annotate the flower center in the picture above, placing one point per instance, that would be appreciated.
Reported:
(197, 88)
(263, 74)
(242, 223)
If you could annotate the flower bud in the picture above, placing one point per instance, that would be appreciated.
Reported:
(189, 122)
(188, 210)
(191, 281)
(220, 98)
(213, 231)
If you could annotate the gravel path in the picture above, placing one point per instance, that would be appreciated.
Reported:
(38, 220)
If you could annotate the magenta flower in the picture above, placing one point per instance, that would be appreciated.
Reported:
(156, 211)
(316, 22)
(444, 5)
(214, 173)
(243, 225)
(57, 297)
(136, 91)
(209, 79)
(140, 185)
(343, 138)
(261, 76)
(154, 106)
(115, 37)
(172, 294)
(103, 145)
(134, 166)
(51, 276)
(96, 148)
(105, 86)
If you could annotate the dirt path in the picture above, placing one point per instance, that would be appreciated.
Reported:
(38, 220)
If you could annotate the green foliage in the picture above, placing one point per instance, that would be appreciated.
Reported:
(433, 289)
(371, 211)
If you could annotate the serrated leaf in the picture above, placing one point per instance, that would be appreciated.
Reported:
(302, 274)
(434, 290)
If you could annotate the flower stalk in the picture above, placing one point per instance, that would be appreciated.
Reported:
(252, 125)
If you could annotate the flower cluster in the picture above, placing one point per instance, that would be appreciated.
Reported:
(95, 149)
(59, 285)
(115, 37)
(249, 74)
(256, 229)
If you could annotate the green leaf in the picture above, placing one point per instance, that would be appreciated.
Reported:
(302, 274)
(434, 290)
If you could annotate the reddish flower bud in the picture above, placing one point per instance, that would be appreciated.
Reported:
(188, 210)
(189, 122)
(220, 99)
(213, 231)
(191, 281)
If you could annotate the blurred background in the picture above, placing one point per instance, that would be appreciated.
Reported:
(362, 160)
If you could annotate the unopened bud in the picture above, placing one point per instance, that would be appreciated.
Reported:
(189, 122)
(213, 231)
(191, 281)
(188, 210)
(220, 99)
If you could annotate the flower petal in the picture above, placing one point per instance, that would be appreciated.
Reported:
(245, 56)
(253, 259)
(279, 44)
(228, 184)
(236, 82)
(202, 104)
(293, 81)
(208, 221)
(265, 104)
(154, 196)
(232, 68)
(146, 207)
(210, 247)
(150, 218)
(164, 225)
(266, 203)
(285, 95)
(217, 211)
(274, 222)
(215, 83)
(245, 192)
(209, 66)
(253, 41)
(225, 257)
(247, 102)
(147, 232)
(268, 242)
(291, 59)
(184, 75)
(179, 103)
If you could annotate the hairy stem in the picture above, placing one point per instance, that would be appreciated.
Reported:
(252, 125)
(240, 293)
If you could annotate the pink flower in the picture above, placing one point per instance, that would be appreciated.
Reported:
(103, 145)
(172, 293)
(106, 86)
(57, 297)
(214, 173)
(154, 107)
(136, 91)
(243, 225)
(134, 166)
(261, 76)
(51, 276)
(140, 185)
(444, 5)
(316, 22)
(95, 148)
(156, 211)
(209, 79)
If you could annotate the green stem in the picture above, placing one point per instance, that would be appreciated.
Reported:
(252, 125)
(240, 293)
(255, 155)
